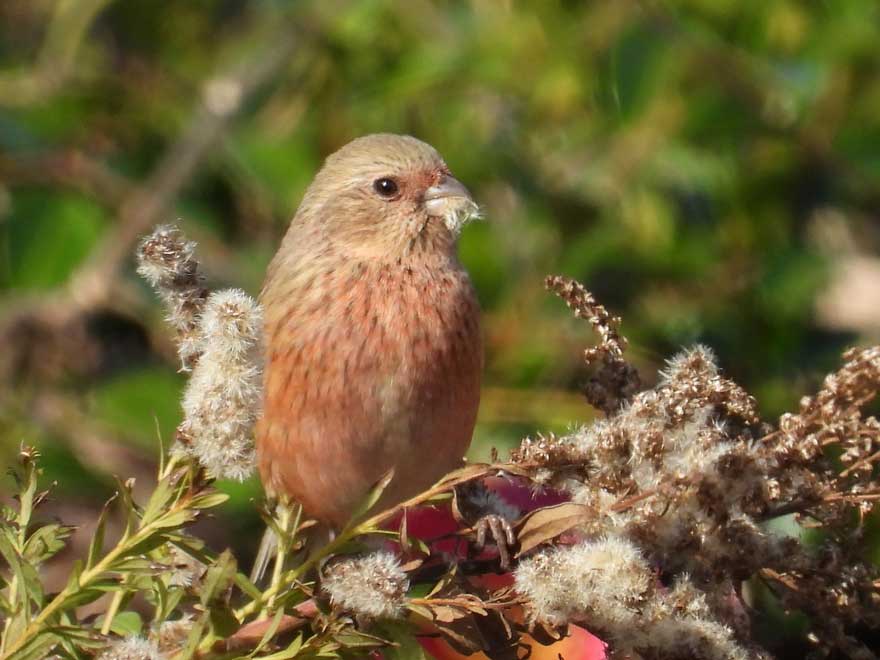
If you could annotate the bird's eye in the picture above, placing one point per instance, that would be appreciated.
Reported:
(385, 187)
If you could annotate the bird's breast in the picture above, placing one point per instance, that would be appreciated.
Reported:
(369, 366)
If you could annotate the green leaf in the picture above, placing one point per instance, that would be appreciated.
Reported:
(222, 620)
(270, 632)
(127, 623)
(372, 497)
(24, 573)
(406, 646)
(291, 651)
(46, 541)
(244, 583)
(350, 638)
(166, 599)
(194, 547)
(89, 594)
(161, 499)
(174, 519)
(82, 637)
(36, 648)
(218, 578)
(97, 544)
(135, 564)
(208, 500)
(145, 545)
(26, 497)
(129, 507)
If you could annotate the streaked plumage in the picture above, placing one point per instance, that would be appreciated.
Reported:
(373, 345)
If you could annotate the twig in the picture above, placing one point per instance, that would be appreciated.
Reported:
(863, 461)
(367, 526)
(223, 97)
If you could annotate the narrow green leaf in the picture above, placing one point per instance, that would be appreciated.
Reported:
(144, 546)
(36, 648)
(208, 500)
(97, 544)
(244, 583)
(86, 595)
(26, 497)
(372, 497)
(127, 623)
(160, 500)
(290, 652)
(46, 541)
(129, 507)
(218, 578)
(82, 637)
(355, 639)
(193, 639)
(270, 632)
(174, 519)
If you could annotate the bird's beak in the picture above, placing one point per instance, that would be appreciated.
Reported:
(452, 202)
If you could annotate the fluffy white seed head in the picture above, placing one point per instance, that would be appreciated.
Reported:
(698, 357)
(132, 648)
(373, 586)
(224, 395)
(602, 582)
(171, 636)
(165, 257)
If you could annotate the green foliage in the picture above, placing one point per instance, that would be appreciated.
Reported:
(141, 560)
(202, 606)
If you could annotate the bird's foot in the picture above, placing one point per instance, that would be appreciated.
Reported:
(502, 534)
(489, 517)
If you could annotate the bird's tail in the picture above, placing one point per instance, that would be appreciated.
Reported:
(265, 553)
(310, 538)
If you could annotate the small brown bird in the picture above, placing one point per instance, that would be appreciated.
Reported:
(373, 343)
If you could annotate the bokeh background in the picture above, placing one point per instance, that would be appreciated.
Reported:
(710, 169)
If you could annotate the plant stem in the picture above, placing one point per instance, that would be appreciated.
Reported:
(88, 576)
(114, 607)
(284, 542)
(367, 526)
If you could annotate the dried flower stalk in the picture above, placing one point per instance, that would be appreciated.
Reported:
(615, 381)
(167, 261)
(687, 474)
(668, 496)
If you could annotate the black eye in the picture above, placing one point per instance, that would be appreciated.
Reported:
(385, 187)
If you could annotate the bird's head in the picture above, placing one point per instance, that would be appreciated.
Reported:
(388, 195)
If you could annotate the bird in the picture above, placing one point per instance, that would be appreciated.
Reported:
(373, 344)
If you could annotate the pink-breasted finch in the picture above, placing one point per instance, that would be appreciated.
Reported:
(373, 341)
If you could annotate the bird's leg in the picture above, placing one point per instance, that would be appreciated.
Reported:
(489, 516)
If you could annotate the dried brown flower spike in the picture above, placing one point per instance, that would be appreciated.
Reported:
(616, 381)
(166, 260)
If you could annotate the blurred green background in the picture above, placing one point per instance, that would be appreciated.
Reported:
(710, 169)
